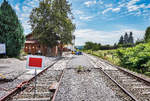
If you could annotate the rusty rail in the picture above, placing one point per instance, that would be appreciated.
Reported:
(22, 85)
(54, 96)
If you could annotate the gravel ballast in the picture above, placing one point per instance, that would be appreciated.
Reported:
(84, 86)
(15, 73)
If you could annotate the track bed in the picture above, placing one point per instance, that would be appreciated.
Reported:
(42, 88)
(84, 86)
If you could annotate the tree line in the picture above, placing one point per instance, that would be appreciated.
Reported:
(125, 41)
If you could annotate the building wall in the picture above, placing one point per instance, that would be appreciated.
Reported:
(33, 47)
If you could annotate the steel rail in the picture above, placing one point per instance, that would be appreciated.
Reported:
(122, 88)
(24, 84)
(129, 73)
(54, 96)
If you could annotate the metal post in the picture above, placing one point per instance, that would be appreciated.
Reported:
(35, 84)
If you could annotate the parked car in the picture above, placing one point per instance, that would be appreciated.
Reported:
(78, 53)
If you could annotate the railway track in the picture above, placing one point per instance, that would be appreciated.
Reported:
(127, 86)
(25, 90)
(43, 92)
(134, 86)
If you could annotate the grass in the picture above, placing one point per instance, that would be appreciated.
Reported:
(110, 55)
(80, 69)
(107, 55)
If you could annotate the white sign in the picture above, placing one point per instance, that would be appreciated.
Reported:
(2, 48)
(35, 62)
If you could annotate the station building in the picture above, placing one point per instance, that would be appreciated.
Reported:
(32, 46)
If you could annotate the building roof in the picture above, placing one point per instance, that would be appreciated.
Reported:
(32, 41)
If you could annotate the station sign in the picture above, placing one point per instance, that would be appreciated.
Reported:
(35, 62)
(2, 48)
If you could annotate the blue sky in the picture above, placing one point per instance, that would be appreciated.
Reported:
(102, 21)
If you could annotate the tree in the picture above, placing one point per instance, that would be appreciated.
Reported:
(130, 40)
(42, 25)
(121, 41)
(147, 35)
(51, 23)
(139, 41)
(126, 38)
(115, 46)
(63, 18)
(88, 45)
(11, 32)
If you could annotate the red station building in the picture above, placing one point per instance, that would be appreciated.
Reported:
(32, 46)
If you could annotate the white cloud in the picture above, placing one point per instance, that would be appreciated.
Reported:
(81, 15)
(85, 17)
(101, 2)
(106, 10)
(78, 12)
(89, 3)
(133, 8)
(104, 37)
(17, 8)
(111, 9)
(108, 5)
(116, 9)
(131, 5)
(26, 9)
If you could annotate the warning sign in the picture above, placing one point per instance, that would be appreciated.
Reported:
(2, 48)
(35, 62)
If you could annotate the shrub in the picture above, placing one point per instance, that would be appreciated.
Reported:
(136, 57)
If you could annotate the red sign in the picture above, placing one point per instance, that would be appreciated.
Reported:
(35, 62)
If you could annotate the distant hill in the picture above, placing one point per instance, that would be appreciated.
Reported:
(79, 47)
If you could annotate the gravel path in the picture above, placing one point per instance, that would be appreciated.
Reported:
(80, 60)
(88, 86)
(84, 86)
(62, 64)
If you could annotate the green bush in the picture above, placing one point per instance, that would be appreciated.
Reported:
(147, 73)
(137, 57)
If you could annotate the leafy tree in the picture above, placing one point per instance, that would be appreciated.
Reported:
(96, 46)
(138, 41)
(147, 35)
(121, 41)
(51, 23)
(11, 32)
(88, 45)
(42, 25)
(92, 46)
(63, 18)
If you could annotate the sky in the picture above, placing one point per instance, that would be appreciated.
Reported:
(101, 21)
